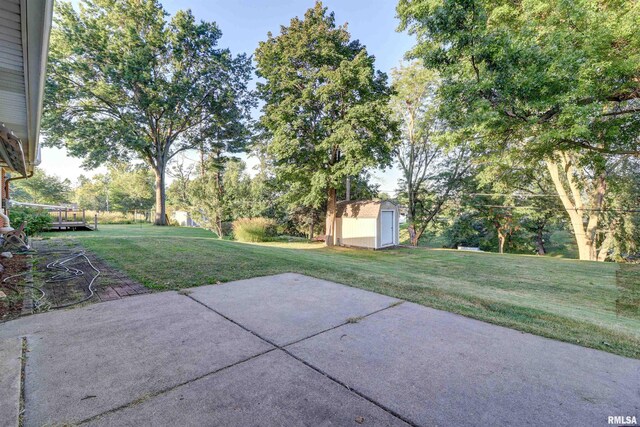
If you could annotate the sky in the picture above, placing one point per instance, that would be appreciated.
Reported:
(244, 23)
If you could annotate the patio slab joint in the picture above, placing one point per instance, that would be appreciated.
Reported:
(148, 396)
(316, 369)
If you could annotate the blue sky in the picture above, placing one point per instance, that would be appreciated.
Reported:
(244, 23)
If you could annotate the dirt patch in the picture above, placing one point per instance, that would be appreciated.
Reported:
(14, 296)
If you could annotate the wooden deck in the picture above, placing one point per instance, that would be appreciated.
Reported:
(66, 220)
(70, 225)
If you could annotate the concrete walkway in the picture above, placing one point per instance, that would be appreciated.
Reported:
(293, 350)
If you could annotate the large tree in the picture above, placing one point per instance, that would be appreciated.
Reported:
(594, 192)
(431, 172)
(559, 80)
(126, 82)
(326, 108)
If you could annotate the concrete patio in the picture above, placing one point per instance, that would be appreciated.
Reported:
(294, 350)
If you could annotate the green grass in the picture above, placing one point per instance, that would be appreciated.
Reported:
(562, 244)
(592, 304)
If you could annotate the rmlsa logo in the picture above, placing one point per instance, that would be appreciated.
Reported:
(622, 421)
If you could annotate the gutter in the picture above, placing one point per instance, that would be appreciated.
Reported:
(6, 186)
(36, 18)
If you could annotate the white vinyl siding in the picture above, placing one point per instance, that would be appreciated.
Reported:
(13, 106)
(360, 232)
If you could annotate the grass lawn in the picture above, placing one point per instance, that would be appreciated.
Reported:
(592, 304)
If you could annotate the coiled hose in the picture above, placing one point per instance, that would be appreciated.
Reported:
(64, 273)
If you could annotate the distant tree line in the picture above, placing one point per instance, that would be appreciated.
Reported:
(123, 188)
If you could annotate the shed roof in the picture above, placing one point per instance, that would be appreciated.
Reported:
(359, 208)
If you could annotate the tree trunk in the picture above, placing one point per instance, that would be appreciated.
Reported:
(348, 195)
(607, 243)
(161, 197)
(413, 236)
(311, 225)
(411, 209)
(501, 240)
(202, 160)
(331, 218)
(585, 236)
(540, 242)
(220, 193)
(219, 228)
(415, 233)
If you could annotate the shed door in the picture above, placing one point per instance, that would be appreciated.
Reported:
(386, 228)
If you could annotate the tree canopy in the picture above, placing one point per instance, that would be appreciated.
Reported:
(124, 81)
(41, 188)
(556, 75)
(125, 187)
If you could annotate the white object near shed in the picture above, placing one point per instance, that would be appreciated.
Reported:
(372, 224)
(183, 218)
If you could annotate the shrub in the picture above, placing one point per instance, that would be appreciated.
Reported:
(254, 229)
(37, 220)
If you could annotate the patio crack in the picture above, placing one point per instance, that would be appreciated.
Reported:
(349, 321)
(352, 390)
(233, 321)
(282, 348)
(148, 396)
(315, 368)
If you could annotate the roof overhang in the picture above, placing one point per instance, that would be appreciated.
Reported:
(24, 45)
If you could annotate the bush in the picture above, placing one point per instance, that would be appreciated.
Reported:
(37, 220)
(254, 229)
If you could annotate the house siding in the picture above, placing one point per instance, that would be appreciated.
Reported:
(13, 105)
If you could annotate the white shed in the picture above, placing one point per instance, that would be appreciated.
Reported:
(369, 224)
(183, 218)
